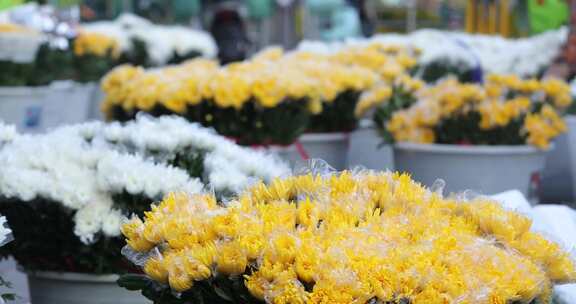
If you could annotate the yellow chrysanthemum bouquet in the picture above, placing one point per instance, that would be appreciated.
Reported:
(78, 56)
(352, 237)
(250, 102)
(95, 54)
(385, 62)
(269, 99)
(505, 110)
(384, 99)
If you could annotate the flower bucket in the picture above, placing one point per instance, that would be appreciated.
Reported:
(23, 106)
(35, 109)
(74, 97)
(330, 147)
(557, 179)
(366, 149)
(74, 288)
(482, 169)
(95, 102)
(571, 122)
(19, 47)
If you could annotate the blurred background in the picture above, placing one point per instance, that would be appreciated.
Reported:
(287, 22)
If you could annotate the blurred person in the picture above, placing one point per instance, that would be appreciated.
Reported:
(229, 31)
(565, 65)
(361, 7)
(336, 19)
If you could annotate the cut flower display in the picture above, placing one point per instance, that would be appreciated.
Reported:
(465, 55)
(75, 184)
(505, 110)
(145, 43)
(78, 56)
(247, 100)
(350, 237)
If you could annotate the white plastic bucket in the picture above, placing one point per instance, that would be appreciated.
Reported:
(557, 179)
(96, 100)
(69, 103)
(35, 109)
(571, 121)
(19, 47)
(75, 288)
(366, 149)
(23, 106)
(482, 169)
(329, 147)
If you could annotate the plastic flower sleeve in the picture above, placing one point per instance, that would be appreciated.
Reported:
(6, 235)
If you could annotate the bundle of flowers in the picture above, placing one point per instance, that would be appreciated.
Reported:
(387, 62)
(18, 47)
(147, 44)
(464, 54)
(388, 98)
(266, 100)
(353, 237)
(84, 57)
(94, 55)
(506, 110)
(74, 185)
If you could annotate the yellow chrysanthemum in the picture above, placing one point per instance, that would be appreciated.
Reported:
(96, 44)
(352, 238)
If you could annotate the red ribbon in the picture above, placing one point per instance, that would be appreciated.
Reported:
(301, 151)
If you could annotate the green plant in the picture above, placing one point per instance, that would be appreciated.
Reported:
(249, 125)
(337, 115)
(440, 69)
(400, 99)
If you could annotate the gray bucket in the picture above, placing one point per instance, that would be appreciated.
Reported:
(330, 147)
(482, 169)
(571, 121)
(557, 179)
(37, 109)
(75, 288)
(366, 149)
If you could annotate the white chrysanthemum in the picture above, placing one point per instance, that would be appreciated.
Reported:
(90, 218)
(494, 54)
(162, 42)
(84, 166)
(112, 222)
(7, 133)
(132, 173)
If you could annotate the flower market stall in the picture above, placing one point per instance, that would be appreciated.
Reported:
(74, 185)
(398, 168)
(274, 99)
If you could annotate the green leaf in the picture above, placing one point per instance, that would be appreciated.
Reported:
(133, 281)
(9, 297)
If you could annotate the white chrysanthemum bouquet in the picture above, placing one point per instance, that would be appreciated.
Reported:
(65, 193)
